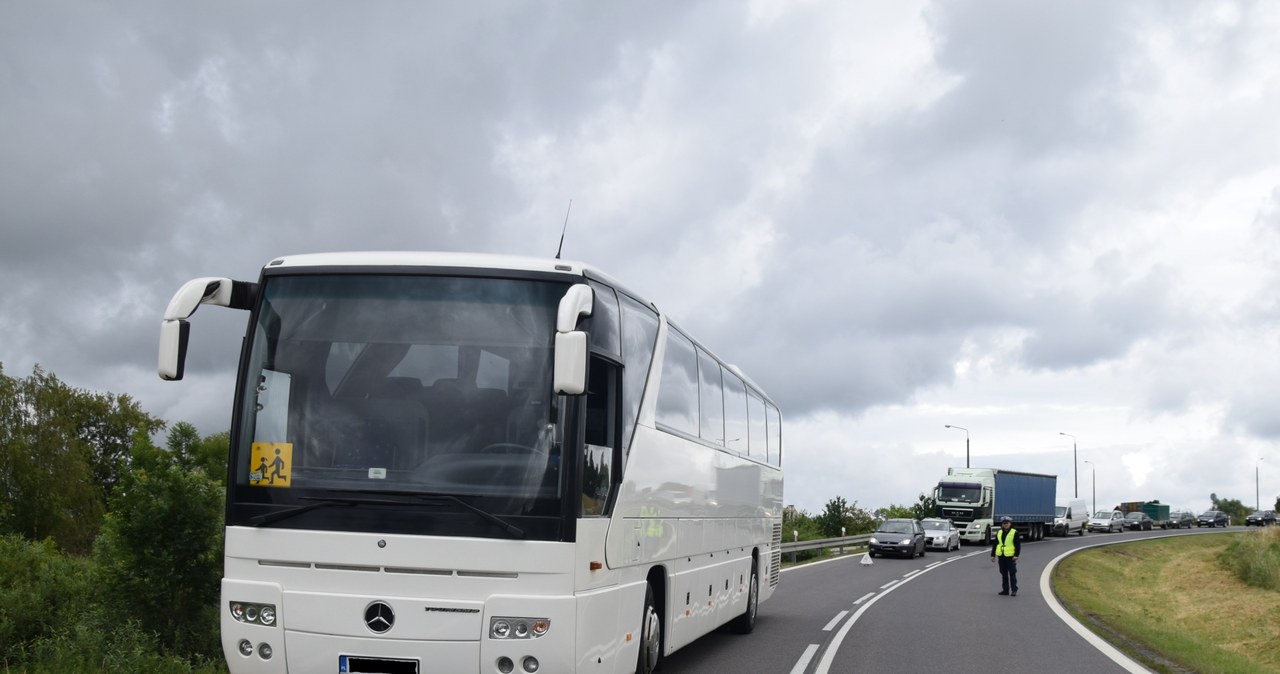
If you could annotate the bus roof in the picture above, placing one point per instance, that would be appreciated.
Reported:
(432, 259)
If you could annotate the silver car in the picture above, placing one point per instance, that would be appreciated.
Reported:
(1106, 521)
(940, 534)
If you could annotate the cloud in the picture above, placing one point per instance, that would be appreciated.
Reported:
(891, 216)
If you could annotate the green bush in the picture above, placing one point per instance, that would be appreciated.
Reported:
(160, 557)
(1255, 558)
(98, 642)
(40, 589)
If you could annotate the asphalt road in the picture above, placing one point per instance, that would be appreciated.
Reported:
(937, 613)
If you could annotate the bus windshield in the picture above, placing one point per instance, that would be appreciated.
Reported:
(400, 384)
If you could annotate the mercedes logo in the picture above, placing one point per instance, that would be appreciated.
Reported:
(379, 617)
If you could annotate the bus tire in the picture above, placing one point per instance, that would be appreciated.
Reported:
(746, 622)
(650, 635)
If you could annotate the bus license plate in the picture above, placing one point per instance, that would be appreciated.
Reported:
(357, 664)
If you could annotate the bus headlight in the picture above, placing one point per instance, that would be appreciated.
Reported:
(254, 614)
(518, 628)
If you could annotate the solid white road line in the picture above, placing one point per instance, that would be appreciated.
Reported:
(1094, 640)
(803, 662)
(831, 625)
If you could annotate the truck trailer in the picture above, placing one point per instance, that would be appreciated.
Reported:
(975, 498)
(1157, 511)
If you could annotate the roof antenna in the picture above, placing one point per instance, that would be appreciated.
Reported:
(562, 229)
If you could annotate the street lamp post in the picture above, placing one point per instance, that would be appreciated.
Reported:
(1257, 495)
(1094, 467)
(966, 442)
(1075, 463)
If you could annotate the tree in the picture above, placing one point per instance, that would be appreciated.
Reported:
(925, 506)
(833, 517)
(1234, 508)
(62, 451)
(160, 552)
(895, 511)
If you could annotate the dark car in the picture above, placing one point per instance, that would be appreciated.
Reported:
(1181, 520)
(903, 537)
(1213, 518)
(1138, 521)
(1261, 518)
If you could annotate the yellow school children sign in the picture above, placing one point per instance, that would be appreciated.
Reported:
(270, 464)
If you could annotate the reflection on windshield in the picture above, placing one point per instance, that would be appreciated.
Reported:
(936, 526)
(959, 494)
(412, 383)
(895, 528)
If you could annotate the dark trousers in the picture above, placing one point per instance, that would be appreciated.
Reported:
(1008, 573)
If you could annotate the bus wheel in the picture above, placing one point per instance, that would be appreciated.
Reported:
(746, 622)
(650, 635)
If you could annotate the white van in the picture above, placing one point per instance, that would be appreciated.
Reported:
(1070, 517)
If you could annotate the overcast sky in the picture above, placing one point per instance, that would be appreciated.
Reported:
(1019, 218)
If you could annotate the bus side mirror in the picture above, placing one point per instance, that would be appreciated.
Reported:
(570, 371)
(571, 363)
(175, 331)
(173, 348)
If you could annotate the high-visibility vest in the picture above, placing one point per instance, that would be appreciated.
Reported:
(1004, 542)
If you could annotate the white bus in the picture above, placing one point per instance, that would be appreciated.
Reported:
(469, 463)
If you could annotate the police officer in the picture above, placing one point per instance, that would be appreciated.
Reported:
(1005, 551)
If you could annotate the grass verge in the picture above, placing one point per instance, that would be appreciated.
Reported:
(1170, 604)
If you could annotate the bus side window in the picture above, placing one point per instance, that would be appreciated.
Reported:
(755, 410)
(735, 414)
(774, 434)
(711, 397)
(678, 390)
(601, 439)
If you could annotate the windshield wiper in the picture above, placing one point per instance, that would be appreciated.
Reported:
(434, 497)
(319, 502)
(426, 497)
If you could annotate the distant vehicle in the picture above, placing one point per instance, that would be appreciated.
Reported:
(1107, 521)
(1158, 512)
(976, 498)
(1213, 518)
(1261, 518)
(903, 537)
(1070, 516)
(1138, 521)
(1181, 520)
(940, 534)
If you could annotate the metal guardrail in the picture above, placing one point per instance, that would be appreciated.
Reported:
(818, 544)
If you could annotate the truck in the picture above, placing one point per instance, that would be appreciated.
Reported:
(975, 498)
(1157, 511)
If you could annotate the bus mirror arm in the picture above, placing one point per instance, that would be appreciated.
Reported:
(175, 331)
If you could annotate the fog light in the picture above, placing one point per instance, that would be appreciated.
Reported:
(246, 648)
(505, 665)
(530, 664)
(264, 650)
(267, 616)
